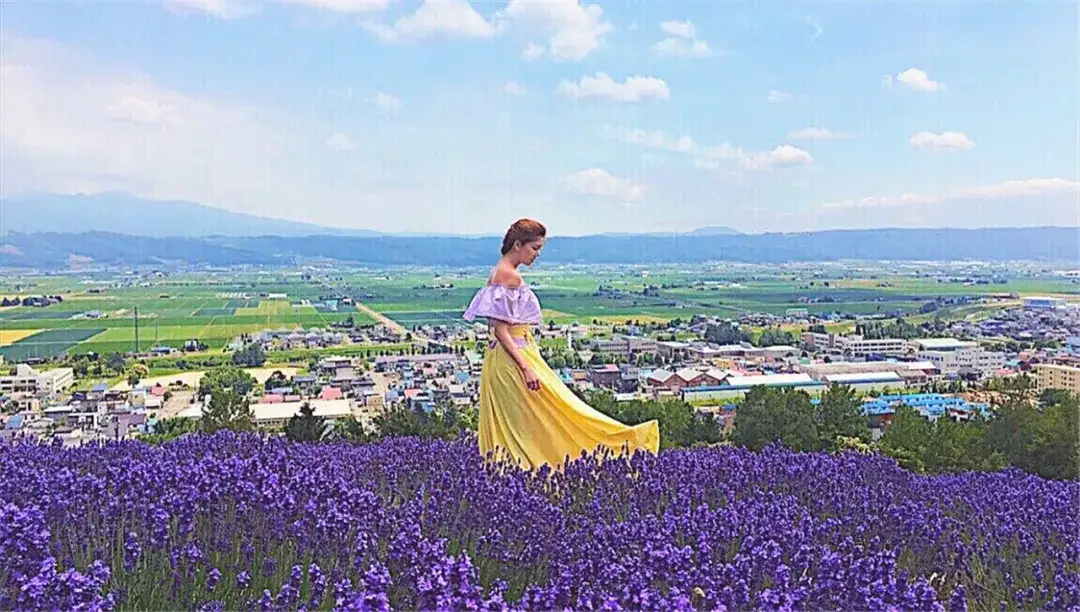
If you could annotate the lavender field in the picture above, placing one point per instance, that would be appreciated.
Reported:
(241, 522)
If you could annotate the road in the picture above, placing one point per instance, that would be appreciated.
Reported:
(392, 324)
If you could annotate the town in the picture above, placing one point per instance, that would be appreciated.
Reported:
(368, 356)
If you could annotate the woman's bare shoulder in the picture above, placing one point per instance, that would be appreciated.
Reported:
(506, 276)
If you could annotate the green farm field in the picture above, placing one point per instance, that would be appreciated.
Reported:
(169, 314)
(216, 307)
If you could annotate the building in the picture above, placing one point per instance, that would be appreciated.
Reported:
(854, 346)
(25, 379)
(672, 349)
(909, 369)
(276, 415)
(959, 357)
(625, 346)
(931, 405)
(621, 379)
(868, 381)
(737, 386)
(1054, 376)
(780, 352)
(1043, 303)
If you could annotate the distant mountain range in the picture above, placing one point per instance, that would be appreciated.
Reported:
(62, 250)
(122, 213)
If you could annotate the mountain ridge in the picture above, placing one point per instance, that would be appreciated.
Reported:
(122, 213)
(58, 250)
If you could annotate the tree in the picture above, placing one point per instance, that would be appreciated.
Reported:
(170, 429)
(906, 438)
(226, 377)
(251, 356)
(839, 414)
(305, 426)
(681, 426)
(725, 333)
(116, 363)
(228, 410)
(775, 337)
(276, 379)
(769, 415)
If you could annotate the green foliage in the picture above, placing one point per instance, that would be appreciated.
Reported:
(445, 422)
(725, 333)
(226, 377)
(251, 356)
(839, 415)
(766, 416)
(1043, 441)
(898, 328)
(776, 337)
(116, 363)
(907, 437)
(681, 426)
(169, 429)
(227, 409)
(305, 426)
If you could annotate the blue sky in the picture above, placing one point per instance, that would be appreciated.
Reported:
(447, 116)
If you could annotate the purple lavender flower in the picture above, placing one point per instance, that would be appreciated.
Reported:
(414, 524)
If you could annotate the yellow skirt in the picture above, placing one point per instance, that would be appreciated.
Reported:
(548, 426)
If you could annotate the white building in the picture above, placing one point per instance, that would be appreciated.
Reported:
(25, 379)
(868, 381)
(272, 416)
(854, 345)
(625, 345)
(952, 356)
(1043, 303)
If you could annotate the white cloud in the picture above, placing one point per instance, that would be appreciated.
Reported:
(682, 41)
(63, 130)
(136, 109)
(915, 79)
(597, 182)
(514, 88)
(815, 133)
(236, 9)
(682, 29)
(1036, 187)
(681, 47)
(776, 96)
(632, 89)
(531, 52)
(345, 6)
(387, 103)
(70, 125)
(714, 157)
(451, 18)
(783, 156)
(340, 142)
(574, 30)
(944, 140)
(222, 9)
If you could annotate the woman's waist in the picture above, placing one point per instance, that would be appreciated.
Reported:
(517, 330)
(521, 334)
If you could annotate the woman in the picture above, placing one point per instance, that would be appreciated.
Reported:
(526, 412)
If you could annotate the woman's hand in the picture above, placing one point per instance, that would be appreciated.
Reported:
(532, 381)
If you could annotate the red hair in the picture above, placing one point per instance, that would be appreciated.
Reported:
(523, 230)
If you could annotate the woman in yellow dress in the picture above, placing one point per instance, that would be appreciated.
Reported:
(527, 414)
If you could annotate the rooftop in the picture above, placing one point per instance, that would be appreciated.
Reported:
(943, 344)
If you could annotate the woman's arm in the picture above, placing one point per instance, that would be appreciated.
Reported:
(502, 334)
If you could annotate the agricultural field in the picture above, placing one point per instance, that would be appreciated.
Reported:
(661, 294)
(98, 311)
(100, 316)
